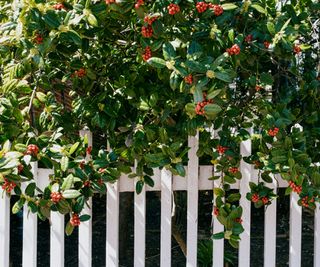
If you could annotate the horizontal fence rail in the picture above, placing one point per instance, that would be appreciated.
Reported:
(196, 179)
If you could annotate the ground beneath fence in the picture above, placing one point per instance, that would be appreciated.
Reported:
(153, 234)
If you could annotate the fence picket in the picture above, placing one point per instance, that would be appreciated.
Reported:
(295, 231)
(30, 227)
(270, 232)
(4, 229)
(316, 259)
(139, 227)
(112, 246)
(166, 207)
(192, 203)
(85, 228)
(246, 170)
(57, 240)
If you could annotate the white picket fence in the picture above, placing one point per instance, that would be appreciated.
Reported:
(196, 179)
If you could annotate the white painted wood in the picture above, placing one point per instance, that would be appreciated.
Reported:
(112, 246)
(139, 227)
(4, 229)
(166, 207)
(43, 177)
(192, 203)
(270, 232)
(316, 257)
(218, 244)
(246, 170)
(85, 228)
(295, 231)
(57, 240)
(30, 231)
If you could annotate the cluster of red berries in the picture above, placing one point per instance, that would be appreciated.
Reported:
(297, 49)
(150, 20)
(200, 105)
(8, 186)
(75, 220)
(221, 149)
(81, 165)
(108, 2)
(217, 9)
(59, 6)
(146, 31)
(38, 39)
(233, 170)
(234, 50)
(55, 197)
(216, 211)
(173, 9)
(305, 201)
(80, 73)
(32, 150)
(295, 188)
(255, 198)
(266, 44)
(147, 53)
(238, 220)
(258, 88)
(188, 79)
(273, 132)
(248, 38)
(201, 7)
(139, 3)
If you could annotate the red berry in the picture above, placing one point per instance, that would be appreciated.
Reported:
(20, 168)
(75, 220)
(238, 220)
(266, 44)
(201, 7)
(265, 200)
(216, 211)
(8, 186)
(188, 79)
(233, 170)
(86, 184)
(273, 132)
(89, 150)
(38, 39)
(173, 9)
(217, 10)
(258, 88)
(221, 149)
(138, 4)
(150, 20)
(58, 6)
(297, 49)
(234, 50)
(55, 197)
(108, 2)
(146, 31)
(80, 73)
(255, 198)
(248, 38)
(147, 53)
(81, 165)
(32, 150)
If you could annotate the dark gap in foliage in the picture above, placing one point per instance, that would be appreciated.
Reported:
(126, 229)
(307, 248)
(283, 218)
(257, 236)
(16, 232)
(43, 244)
(153, 221)
(71, 250)
(98, 230)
